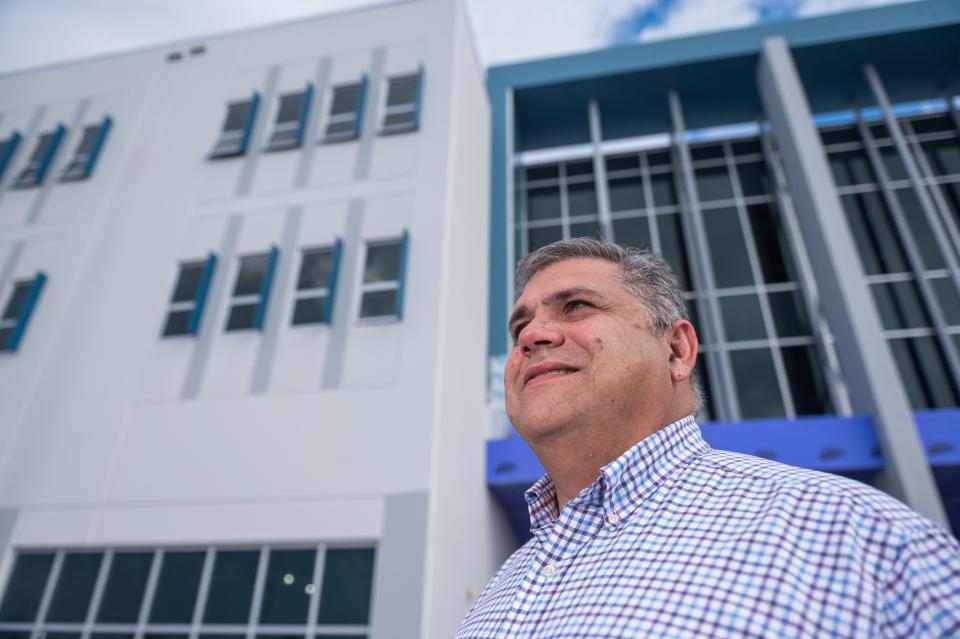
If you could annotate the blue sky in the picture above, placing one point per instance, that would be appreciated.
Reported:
(37, 32)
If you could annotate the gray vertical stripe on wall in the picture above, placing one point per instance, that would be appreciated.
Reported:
(399, 568)
(71, 139)
(208, 326)
(312, 132)
(369, 130)
(278, 302)
(6, 268)
(349, 263)
(259, 124)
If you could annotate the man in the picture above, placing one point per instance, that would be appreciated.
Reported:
(640, 529)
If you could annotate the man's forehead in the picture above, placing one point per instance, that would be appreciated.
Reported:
(586, 277)
(576, 272)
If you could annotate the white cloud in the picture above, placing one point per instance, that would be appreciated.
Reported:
(695, 16)
(814, 7)
(509, 30)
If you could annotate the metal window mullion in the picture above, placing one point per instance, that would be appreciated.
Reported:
(47, 596)
(650, 209)
(932, 183)
(766, 313)
(152, 578)
(953, 110)
(808, 288)
(375, 287)
(913, 255)
(600, 171)
(99, 587)
(939, 220)
(310, 293)
(313, 608)
(258, 588)
(206, 576)
(522, 222)
(564, 200)
(698, 252)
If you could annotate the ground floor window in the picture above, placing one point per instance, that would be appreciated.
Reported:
(258, 592)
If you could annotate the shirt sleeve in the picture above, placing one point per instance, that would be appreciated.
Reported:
(921, 596)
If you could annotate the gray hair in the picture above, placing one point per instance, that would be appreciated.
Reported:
(644, 274)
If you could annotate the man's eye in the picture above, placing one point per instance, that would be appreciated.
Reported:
(516, 331)
(573, 305)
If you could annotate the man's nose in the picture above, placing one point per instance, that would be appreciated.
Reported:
(540, 334)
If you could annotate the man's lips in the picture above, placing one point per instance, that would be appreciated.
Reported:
(545, 371)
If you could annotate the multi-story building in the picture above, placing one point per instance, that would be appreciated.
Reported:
(242, 281)
(803, 179)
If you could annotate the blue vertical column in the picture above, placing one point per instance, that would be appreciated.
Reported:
(868, 366)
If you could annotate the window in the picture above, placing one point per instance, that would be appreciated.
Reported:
(326, 590)
(251, 292)
(81, 166)
(291, 120)
(189, 296)
(402, 112)
(7, 148)
(16, 314)
(39, 163)
(346, 112)
(383, 278)
(237, 126)
(316, 285)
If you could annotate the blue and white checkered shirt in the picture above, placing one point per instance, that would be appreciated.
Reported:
(676, 539)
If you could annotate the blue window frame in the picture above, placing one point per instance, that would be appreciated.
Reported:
(18, 310)
(7, 148)
(189, 297)
(317, 285)
(237, 128)
(251, 291)
(384, 278)
(291, 121)
(88, 150)
(402, 110)
(345, 120)
(39, 163)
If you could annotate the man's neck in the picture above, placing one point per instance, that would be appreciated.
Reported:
(573, 460)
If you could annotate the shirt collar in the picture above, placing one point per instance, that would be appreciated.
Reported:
(628, 480)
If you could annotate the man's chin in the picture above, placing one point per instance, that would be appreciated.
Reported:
(537, 429)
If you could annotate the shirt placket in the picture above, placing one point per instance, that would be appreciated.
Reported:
(551, 563)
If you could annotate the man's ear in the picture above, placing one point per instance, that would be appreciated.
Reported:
(683, 343)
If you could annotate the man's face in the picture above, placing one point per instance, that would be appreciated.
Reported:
(583, 355)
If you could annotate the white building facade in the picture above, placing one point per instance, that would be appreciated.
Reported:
(243, 285)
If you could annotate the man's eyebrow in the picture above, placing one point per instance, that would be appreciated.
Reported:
(555, 298)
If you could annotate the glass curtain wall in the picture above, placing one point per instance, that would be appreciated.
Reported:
(914, 338)
(766, 327)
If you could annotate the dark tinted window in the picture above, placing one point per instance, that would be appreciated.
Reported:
(757, 389)
(231, 587)
(21, 597)
(383, 263)
(71, 597)
(288, 586)
(188, 283)
(347, 584)
(177, 587)
(315, 269)
(126, 583)
(728, 252)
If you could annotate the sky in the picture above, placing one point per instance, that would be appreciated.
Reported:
(39, 32)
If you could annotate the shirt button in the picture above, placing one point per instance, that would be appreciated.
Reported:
(550, 570)
(613, 519)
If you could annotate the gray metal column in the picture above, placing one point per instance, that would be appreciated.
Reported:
(808, 286)
(721, 372)
(870, 372)
(600, 171)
